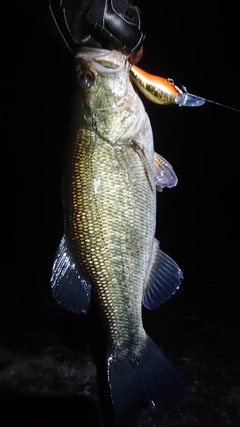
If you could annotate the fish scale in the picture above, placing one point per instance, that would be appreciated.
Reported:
(108, 250)
(113, 235)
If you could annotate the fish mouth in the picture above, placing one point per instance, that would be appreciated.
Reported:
(104, 60)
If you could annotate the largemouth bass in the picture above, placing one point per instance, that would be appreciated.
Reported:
(108, 250)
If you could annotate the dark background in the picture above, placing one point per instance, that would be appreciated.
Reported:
(196, 44)
(198, 221)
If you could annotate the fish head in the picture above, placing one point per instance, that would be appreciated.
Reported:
(102, 78)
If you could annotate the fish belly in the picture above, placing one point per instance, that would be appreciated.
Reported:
(110, 210)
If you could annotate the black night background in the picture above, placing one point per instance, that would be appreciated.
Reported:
(46, 354)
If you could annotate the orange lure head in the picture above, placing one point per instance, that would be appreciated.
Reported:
(157, 89)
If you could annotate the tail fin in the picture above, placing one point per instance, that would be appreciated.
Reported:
(146, 379)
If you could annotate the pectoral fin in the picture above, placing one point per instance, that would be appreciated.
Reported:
(163, 280)
(68, 286)
(164, 173)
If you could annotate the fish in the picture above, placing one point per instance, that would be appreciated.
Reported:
(109, 252)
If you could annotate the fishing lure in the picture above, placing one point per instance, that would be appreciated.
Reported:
(163, 91)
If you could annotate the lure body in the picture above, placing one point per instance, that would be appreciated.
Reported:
(162, 91)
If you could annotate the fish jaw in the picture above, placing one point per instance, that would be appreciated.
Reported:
(112, 87)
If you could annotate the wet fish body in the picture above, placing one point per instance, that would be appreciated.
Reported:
(108, 250)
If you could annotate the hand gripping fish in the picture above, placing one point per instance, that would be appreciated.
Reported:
(108, 251)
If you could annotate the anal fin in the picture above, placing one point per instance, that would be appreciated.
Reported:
(163, 280)
(68, 285)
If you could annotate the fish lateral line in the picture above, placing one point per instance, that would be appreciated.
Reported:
(163, 91)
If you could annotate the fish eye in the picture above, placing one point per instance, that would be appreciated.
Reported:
(87, 78)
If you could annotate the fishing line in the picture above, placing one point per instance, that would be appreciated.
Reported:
(214, 102)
